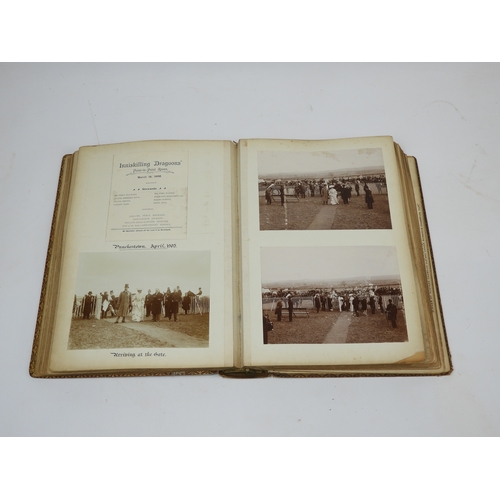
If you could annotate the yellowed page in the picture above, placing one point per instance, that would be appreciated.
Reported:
(150, 215)
(300, 245)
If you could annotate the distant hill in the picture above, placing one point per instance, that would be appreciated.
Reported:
(347, 172)
(334, 283)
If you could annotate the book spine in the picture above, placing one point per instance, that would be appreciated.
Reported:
(39, 353)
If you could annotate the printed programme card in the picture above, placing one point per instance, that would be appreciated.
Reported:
(148, 197)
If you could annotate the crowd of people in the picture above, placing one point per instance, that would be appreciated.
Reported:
(297, 294)
(138, 304)
(330, 191)
(358, 301)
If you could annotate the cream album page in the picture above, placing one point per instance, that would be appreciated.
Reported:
(147, 259)
(327, 276)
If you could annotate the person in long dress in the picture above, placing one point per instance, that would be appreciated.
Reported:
(138, 306)
(364, 305)
(268, 193)
(332, 192)
(105, 305)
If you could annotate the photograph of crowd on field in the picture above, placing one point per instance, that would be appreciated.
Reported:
(135, 299)
(332, 295)
(317, 190)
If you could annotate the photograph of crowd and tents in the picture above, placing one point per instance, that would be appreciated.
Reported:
(132, 299)
(343, 189)
(332, 295)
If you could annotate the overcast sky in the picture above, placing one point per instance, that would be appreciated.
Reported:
(298, 162)
(327, 263)
(100, 272)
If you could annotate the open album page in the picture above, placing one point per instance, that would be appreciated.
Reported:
(327, 275)
(147, 259)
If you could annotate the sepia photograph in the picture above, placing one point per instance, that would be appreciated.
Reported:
(141, 299)
(332, 295)
(317, 190)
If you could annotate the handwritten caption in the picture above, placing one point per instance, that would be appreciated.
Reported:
(161, 246)
(137, 354)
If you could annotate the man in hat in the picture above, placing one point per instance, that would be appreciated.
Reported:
(176, 299)
(344, 194)
(88, 302)
(290, 307)
(156, 303)
(392, 312)
(324, 193)
(148, 301)
(369, 198)
(123, 305)
(355, 304)
(282, 195)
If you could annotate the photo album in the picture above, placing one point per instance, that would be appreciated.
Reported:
(264, 258)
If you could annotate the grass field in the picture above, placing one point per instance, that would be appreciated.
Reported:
(313, 330)
(375, 328)
(96, 334)
(302, 330)
(195, 325)
(300, 214)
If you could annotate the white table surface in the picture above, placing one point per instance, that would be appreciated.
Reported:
(447, 115)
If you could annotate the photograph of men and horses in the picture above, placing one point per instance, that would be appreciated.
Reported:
(343, 189)
(332, 295)
(136, 299)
